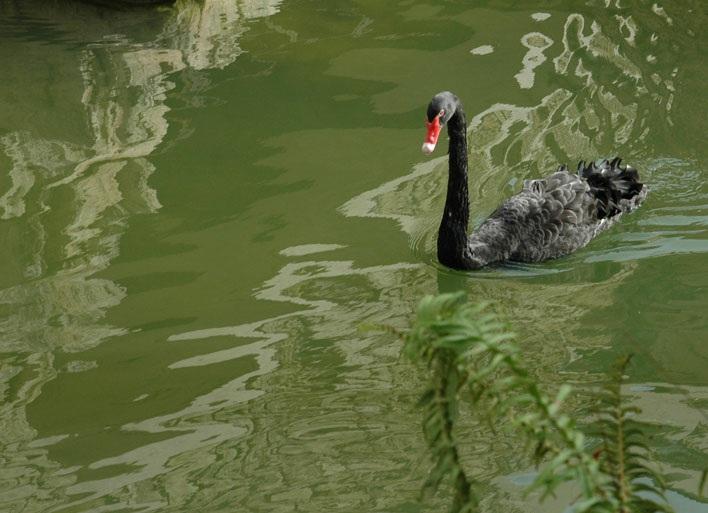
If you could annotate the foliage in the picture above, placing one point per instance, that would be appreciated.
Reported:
(470, 355)
(624, 454)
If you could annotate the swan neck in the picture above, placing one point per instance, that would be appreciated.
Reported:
(453, 244)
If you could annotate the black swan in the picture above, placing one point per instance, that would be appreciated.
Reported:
(549, 218)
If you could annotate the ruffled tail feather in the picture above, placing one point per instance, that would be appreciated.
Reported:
(616, 188)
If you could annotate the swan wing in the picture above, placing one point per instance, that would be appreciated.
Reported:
(528, 226)
(548, 218)
(554, 216)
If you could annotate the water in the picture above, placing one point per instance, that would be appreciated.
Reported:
(201, 206)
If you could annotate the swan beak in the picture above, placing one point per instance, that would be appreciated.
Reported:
(431, 138)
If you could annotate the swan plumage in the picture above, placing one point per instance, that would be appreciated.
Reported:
(548, 218)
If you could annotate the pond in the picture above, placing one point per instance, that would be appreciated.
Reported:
(201, 205)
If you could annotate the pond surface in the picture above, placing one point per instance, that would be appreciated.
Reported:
(200, 206)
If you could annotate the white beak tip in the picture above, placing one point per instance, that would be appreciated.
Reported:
(428, 148)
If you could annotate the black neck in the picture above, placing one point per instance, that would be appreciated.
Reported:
(452, 237)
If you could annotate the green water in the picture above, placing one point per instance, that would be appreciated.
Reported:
(201, 206)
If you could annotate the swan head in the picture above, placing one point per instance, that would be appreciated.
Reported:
(440, 109)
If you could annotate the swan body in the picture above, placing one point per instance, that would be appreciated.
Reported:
(549, 218)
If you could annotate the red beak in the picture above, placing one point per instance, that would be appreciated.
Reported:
(431, 139)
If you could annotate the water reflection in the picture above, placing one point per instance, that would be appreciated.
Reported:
(592, 113)
(64, 211)
(300, 409)
(340, 378)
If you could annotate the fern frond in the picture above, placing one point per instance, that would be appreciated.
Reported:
(469, 353)
(437, 339)
(633, 485)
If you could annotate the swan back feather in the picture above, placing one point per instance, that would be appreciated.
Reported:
(553, 217)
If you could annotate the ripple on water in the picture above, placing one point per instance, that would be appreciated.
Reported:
(323, 416)
(482, 50)
(309, 249)
(540, 16)
(536, 43)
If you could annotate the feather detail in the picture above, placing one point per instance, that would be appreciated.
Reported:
(555, 216)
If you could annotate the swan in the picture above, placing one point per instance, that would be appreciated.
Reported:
(549, 218)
